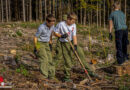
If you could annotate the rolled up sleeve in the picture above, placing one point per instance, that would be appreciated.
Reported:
(74, 31)
(39, 31)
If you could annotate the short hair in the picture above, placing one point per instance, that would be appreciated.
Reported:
(116, 4)
(72, 16)
(50, 17)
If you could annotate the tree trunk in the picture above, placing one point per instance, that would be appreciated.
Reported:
(27, 10)
(89, 20)
(112, 2)
(104, 14)
(54, 8)
(120, 5)
(6, 10)
(23, 5)
(91, 15)
(9, 15)
(81, 22)
(45, 9)
(40, 10)
(100, 13)
(16, 10)
(108, 12)
(69, 6)
(84, 18)
(125, 9)
(97, 13)
(77, 10)
(56, 14)
(49, 7)
(2, 12)
(37, 10)
(60, 10)
(30, 10)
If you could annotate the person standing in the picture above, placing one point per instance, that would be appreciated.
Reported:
(67, 29)
(43, 46)
(118, 20)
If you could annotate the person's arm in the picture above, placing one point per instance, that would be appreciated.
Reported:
(56, 31)
(74, 35)
(50, 42)
(110, 29)
(38, 33)
(110, 26)
(35, 41)
(57, 34)
(75, 40)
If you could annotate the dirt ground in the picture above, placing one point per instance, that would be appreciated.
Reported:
(20, 69)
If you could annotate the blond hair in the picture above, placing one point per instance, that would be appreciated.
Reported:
(72, 16)
(116, 5)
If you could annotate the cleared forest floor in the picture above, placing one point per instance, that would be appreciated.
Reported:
(19, 67)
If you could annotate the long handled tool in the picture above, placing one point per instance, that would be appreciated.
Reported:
(79, 60)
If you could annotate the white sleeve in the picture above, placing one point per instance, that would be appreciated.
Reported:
(74, 31)
(64, 29)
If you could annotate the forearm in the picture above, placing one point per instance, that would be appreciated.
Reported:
(50, 42)
(35, 41)
(75, 40)
(110, 26)
(57, 35)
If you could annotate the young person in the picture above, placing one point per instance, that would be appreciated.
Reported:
(67, 29)
(43, 46)
(118, 20)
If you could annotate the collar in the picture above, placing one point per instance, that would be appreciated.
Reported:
(46, 27)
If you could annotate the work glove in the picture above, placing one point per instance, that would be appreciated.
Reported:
(50, 45)
(35, 52)
(110, 36)
(75, 47)
(64, 35)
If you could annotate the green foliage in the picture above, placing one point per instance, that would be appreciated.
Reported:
(108, 77)
(18, 70)
(30, 24)
(123, 87)
(84, 33)
(87, 4)
(108, 3)
(17, 58)
(22, 70)
(19, 33)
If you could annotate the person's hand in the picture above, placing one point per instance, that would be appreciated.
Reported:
(35, 52)
(50, 45)
(64, 35)
(75, 47)
(110, 36)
